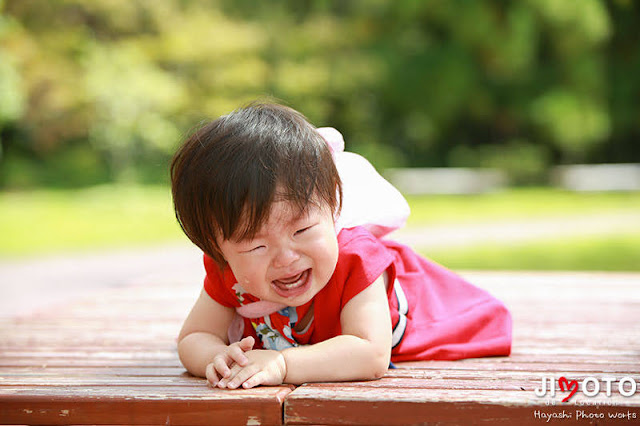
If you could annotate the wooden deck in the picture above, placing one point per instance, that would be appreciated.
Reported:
(112, 360)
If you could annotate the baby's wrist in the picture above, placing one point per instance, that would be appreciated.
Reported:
(284, 365)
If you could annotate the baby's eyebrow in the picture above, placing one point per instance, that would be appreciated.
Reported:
(249, 235)
(244, 238)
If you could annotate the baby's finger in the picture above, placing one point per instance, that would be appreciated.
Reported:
(260, 378)
(247, 343)
(233, 371)
(236, 353)
(220, 365)
(242, 376)
(211, 375)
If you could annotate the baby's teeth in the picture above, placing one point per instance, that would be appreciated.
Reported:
(294, 284)
(289, 281)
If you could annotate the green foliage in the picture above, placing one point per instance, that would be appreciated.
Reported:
(572, 122)
(132, 102)
(11, 101)
(75, 166)
(517, 85)
(11, 95)
(524, 163)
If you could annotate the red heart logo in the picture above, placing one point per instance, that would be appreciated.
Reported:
(566, 385)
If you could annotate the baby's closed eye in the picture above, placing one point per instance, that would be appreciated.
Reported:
(302, 230)
(254, 249)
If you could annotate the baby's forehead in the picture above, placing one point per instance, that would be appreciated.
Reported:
(285, 211)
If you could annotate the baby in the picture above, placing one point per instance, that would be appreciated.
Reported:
(293, 292)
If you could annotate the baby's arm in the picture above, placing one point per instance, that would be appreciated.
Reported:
(362, 351)
(202, 343)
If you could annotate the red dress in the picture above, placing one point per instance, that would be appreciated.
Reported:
(435, 313)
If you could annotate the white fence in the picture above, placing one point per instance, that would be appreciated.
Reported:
(579, 177)
(598, 177)
(413, 181)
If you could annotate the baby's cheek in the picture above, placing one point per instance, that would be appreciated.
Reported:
(332, 253)
(323, 256)
(329, 262)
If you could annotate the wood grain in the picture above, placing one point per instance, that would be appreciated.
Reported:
(572, 325)
(112, 359)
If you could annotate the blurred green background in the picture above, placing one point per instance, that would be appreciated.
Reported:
(95, 96)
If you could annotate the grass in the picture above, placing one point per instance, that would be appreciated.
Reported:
(47, 221)
(608, 253)
(603, 253)
(521, 203)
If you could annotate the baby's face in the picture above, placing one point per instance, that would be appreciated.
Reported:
(290, 259)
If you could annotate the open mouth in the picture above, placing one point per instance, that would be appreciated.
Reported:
(294, 285)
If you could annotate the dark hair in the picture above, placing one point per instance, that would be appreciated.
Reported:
(225, 176)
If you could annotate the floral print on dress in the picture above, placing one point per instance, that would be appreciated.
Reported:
(275, 330)
(239, 292)
(273, 339)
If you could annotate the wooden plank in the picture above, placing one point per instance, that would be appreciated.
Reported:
(525, 374)
(399, 406)
(416, 373)
(148, 396)
(533, 368)
(103, 380)
(136, 371)
(364, 391)
(522, 344)
(478, 383)
(142, 405)
(572, 325)
(520, 358)
(113, 359)
(21, 337)
(150, 391)
(82, 363)
(91, 353)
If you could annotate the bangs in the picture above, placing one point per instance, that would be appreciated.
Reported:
(303, 176)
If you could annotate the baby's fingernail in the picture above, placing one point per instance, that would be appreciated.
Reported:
(232, 385)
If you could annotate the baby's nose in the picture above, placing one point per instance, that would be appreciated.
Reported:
(285, 257)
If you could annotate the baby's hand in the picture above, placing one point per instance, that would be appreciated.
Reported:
(265, 367)
(233, 355)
